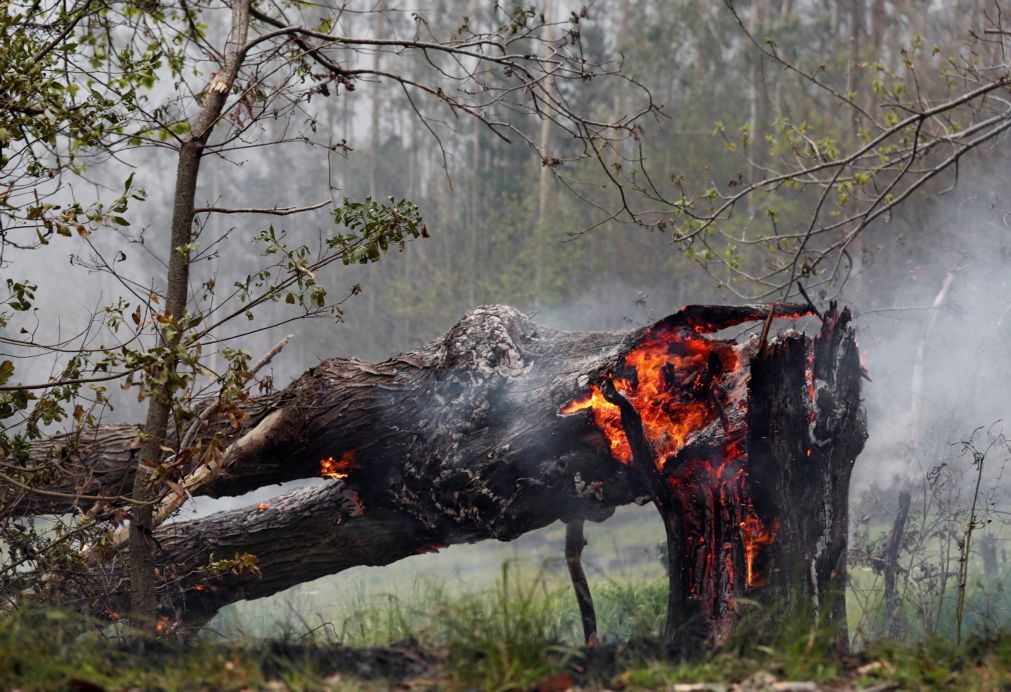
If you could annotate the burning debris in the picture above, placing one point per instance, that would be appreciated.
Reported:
(674, 383)
(679, 384)
(337, 468)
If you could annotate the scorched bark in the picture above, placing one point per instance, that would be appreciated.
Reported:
(458, 442)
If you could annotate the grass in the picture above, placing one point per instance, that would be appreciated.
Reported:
(494, 616)
(46, 650)
(520, 632)
(621, 554)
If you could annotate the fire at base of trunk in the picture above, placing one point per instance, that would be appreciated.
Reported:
(688, 387)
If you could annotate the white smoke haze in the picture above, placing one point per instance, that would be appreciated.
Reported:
(966, 368)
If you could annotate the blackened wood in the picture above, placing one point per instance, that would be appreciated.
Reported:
(678, 621)
(806, 427)
(342, 403)
(574, 544)
(462, 441)
(890, 567)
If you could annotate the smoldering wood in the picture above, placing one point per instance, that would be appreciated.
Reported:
(462, 441)
(331, 400)
(806, 427)
(667, 503)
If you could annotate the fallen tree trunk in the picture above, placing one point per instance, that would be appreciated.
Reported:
(466, 440)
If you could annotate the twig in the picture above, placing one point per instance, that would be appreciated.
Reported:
(206, 414)
(765, 329)
(72, 496)
(204, 473)
(274, 211)
(810, 303)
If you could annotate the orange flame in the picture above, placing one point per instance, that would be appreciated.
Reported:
(664, 372)
(262, 507)
(607, 417)
(161, 624)
(673, 379)
(755, 535)
(337, 468)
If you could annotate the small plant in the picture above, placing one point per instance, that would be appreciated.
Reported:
(939, 553)
(975, 521)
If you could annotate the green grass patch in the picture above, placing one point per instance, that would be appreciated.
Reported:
(518, 634)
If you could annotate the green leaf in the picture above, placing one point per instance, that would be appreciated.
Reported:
(6, 370)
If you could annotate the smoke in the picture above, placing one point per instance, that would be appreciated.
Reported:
(961, 343)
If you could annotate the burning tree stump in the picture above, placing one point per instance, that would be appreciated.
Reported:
(799, 468)
(502, 427)
(746, 450)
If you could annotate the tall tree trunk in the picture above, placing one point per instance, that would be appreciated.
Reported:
(374, 118)
(544, 184)
(142, 562)
(475, 197)
(759, 25)
(857, 12)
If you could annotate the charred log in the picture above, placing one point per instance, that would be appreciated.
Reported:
(463, 441)
(671, 512)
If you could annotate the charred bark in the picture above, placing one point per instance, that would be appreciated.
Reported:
(574, 544)
(671, 511)
(340, 404)
(806, 428)
(463, 441)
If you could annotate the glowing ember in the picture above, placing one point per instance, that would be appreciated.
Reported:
(162, 624)
(670, 379)
(680, 383)
(809, 379)
(430, 548)
(262, 507)
(755, 535)
(337, 468)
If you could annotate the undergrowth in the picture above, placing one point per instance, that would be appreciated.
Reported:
(522, 632)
